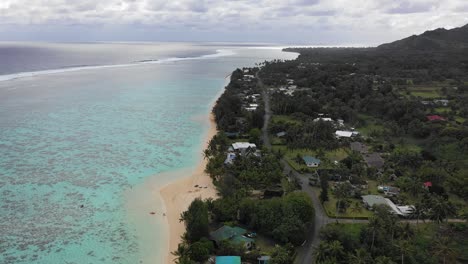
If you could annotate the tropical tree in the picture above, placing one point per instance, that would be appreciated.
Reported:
(405, 248)
(341, 192)
(355, 209)
(417, 212)
(360, 256)
(440, 209)
(442, 249)
(384, 260)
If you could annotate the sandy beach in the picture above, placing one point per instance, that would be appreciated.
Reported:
(178, 195)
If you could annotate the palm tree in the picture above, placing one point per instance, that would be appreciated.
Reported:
(384, 260)
(182, 253)
(440, 209)
(336, 249)
(321, 252)
(360, 256)
(341, 192)
(405, 248)
(417, 211)
(355, 208)
(374, 224)
(443, 250)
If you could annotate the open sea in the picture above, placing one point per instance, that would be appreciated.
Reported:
(81, 124)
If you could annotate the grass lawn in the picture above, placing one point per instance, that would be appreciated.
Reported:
(276, 140)
(441, 110)
(460, 119)
(370, 125)
(284, 119)
(264, 244)
(426, 92)
(372, 188)
(330, 208)
(291, 154)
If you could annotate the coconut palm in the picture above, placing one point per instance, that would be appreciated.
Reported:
(405, 248)
(355, 208)
(440, 209)
(417, 212)
(384, 260)
(360, 256)
(443, 250)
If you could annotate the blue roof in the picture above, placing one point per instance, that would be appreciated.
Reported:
(228, 260)
(309, 159)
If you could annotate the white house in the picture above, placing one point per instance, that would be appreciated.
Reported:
(344, 134)
(242, 147)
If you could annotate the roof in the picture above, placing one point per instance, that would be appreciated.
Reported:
(234, 234)
(359, 147)
(228, 260)
(310, 159)
(281, 134)
(374, 160)
(372, 200)
(243, 145)
(435, 118)
(341, 133)
(428, 184)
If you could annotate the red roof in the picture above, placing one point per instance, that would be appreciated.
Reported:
(428, 184)
(435, 118)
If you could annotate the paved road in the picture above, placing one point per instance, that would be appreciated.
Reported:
(306, 251)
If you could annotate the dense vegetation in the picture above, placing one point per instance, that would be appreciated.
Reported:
(409, 102)
(386, 240)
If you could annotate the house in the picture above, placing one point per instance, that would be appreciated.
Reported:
(371, 200)
(359, 147)
(228, 260)
(374, 160)
(325, 119)
(281, 134)
(232, 234)
(345, 134)
(230, 158)
(433, 118)
(243, 147)
(311, 162)
(442, 102)
(427, 185)
(389, 190)
(264, 259)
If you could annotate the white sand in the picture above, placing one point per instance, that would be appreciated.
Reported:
(178, 195)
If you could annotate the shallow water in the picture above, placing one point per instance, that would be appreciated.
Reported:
(72, 143)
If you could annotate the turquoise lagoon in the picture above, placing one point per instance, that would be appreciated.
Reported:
(73, 143)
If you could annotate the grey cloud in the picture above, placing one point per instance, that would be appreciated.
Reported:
(406, 7)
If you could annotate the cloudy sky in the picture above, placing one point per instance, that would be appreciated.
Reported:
(327, 22)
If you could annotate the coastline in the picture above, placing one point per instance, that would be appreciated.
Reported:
(177, 196)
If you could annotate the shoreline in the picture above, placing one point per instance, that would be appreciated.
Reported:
(177, 196)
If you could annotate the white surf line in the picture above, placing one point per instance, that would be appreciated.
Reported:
(8, 77)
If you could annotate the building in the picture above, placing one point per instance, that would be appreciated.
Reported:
(243, 147)
(281, 134)
(442, 102)
(230, 158)
(345, 134)
(375, 200)
(359, 147)
(264, 259)
(232, 234)
(228, 260)
(374, 160)
(311, 162)
(433, 118)
(389, 190)
(324, 119)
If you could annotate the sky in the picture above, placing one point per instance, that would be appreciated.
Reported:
(313, 22)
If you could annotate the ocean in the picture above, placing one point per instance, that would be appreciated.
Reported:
(81, 124)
